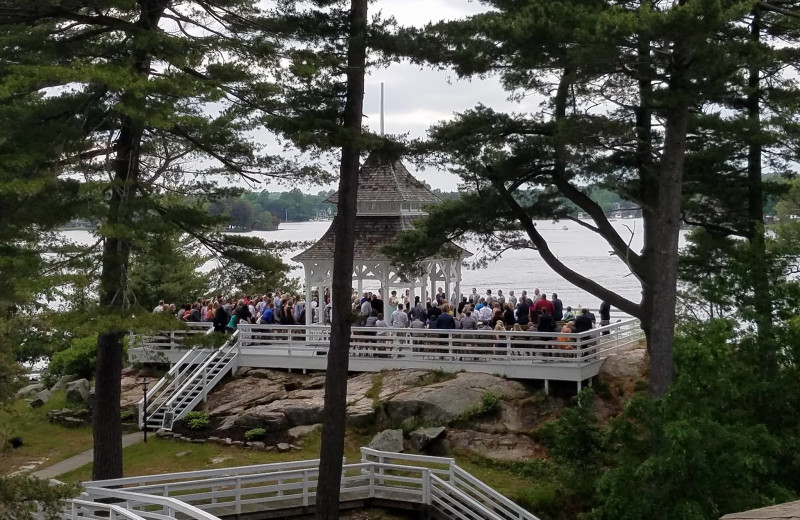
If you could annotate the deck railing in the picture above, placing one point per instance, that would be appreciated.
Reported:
(448, 345)
(435, 482)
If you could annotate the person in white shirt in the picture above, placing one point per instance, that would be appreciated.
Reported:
(486, 313)
(399, 318)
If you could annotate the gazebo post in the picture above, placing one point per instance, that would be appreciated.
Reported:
(458, 282)
(433, 279)
(309, 281)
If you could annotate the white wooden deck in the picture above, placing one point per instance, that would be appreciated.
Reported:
(516, 355)
(432, 485)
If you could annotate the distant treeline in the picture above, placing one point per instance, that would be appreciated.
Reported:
(264, 210)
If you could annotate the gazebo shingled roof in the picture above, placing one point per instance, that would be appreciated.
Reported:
(371, 235)
(388, 181)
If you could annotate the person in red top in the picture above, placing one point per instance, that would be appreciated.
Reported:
(543, 303)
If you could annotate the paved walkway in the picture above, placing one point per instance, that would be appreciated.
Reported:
(82, 459)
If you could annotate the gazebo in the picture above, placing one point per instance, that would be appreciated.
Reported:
(389, 199)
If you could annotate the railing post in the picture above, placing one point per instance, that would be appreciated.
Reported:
(305, 487)
(371, 480)
(426, 487)
(380, 470)
(238, 495)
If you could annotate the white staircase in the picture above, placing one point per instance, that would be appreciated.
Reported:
(187, 383)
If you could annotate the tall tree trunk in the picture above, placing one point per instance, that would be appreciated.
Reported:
(333, 423)
(760, 282)
(106, 423)
(661, 241)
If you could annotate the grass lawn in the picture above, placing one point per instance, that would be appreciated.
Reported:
(42, 440)
(54, 443)
(161, 456)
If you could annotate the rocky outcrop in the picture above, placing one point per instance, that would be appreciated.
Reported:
(61, 384)
(388, 440)
(441, 403)
(243, 393)
(78, 391)
(70, 418)
(30, 390)
(40, 398)
(314, 383)
(261, 417)
(263, 398)
(629, 364)
(421, 438)
(506, 446)
(298, 432)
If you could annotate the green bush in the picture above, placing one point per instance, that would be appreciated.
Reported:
(255, 434)
(196, 420)
(79, 359)
(491, 403)
(127, 415)
(538, 499)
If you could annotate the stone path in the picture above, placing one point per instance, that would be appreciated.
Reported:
(82, 459)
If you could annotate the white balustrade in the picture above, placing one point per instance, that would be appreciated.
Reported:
(436, 482)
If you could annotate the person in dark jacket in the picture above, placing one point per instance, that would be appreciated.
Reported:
(583, 322)
(605, 316)
(445, 321)
(546, 322)
(558, 308)
(523, 313)
(221, 318)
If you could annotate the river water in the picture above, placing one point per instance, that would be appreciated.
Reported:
(579, 248)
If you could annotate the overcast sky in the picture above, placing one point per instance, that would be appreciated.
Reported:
(416, 98)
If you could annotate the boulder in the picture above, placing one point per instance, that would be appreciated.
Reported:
(298, 432)
(506, 446)
(388, 440)
(71, 422)
(78, 391)
(283, 447)
(299, 411)
(40, 398)
(422, 437)
(61, 384)
(241, 394)
(628, 364)
(30, 390)
(261, 417)
(314, 383)
(441, 403)
(258, 446)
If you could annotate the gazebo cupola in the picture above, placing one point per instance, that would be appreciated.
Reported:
(389, 199)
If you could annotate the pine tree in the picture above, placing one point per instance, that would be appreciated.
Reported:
(619, 83)
(145, 72)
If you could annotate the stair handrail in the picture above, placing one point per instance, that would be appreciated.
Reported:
(110, 508)
(176, 505)
(230, 344)
(171, 378)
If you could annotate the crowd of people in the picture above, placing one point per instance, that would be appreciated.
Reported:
(227, 313)
(489, 311)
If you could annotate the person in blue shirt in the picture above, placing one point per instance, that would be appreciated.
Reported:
(268, 316)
